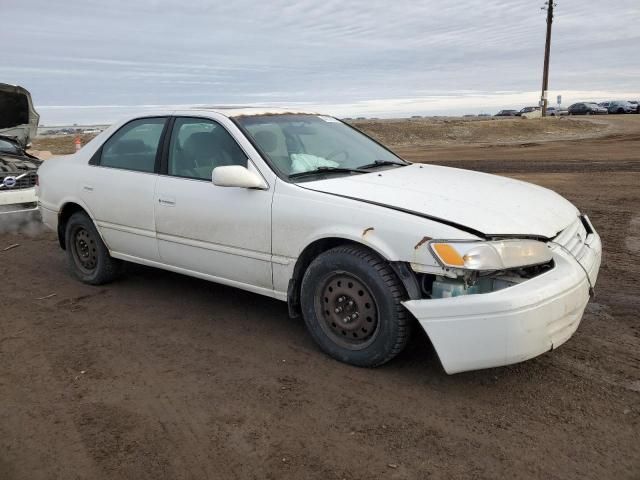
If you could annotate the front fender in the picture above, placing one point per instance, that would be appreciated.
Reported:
(301, 217)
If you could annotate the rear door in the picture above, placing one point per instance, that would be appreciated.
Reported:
(119, 189)
(223, 232)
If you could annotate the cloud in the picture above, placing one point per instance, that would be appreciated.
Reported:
(330, 53)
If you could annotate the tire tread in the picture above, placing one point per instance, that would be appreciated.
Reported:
(395, 288)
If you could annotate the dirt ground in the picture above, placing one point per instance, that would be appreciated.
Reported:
(160, 376)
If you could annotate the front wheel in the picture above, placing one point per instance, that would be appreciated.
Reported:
(351, 303)
(87, 255)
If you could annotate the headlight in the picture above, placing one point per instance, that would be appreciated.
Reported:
(496, 255)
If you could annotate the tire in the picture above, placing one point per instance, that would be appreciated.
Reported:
(366, 290)
(87, 255)
(620, 111)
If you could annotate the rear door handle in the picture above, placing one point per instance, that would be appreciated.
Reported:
(167, 202)
(87, 188)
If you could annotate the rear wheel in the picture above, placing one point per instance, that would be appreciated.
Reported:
(87, 255)
(351, 303)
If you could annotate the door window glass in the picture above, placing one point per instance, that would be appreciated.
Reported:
(134, 146)
(199, 145)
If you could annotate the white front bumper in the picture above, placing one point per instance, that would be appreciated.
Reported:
(12, 201)
(471, 332)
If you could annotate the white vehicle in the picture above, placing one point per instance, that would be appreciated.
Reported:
(308, 210)
(18, 124)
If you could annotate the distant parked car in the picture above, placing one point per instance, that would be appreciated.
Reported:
(637, 105)
(586, 108)
(527, 110)
(622, 106)
(557, 111)
(507, 113)
(604, 104)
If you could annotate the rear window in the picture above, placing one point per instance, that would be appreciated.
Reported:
(134, 146)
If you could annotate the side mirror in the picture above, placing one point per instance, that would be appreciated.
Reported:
(236, 176)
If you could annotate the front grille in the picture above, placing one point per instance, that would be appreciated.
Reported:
(573, 239)
(28, 181)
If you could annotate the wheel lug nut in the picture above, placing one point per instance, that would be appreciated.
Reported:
(338, 310)
(354, 315)
(341, 299)
(350, 303)
(346, 319)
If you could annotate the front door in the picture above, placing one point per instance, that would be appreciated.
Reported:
(222, 232)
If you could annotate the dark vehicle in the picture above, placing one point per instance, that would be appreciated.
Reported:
(587, 108)
(507, 113)
(622, 106)
(527, 110)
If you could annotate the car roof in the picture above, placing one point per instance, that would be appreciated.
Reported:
(227, 111)
(240, 111)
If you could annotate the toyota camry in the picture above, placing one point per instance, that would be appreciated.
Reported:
(361, 244)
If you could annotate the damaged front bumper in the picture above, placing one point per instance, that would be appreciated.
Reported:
(507, 326)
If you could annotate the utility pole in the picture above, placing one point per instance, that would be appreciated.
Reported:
(547, 50)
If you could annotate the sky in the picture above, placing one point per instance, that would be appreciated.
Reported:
(88, 61)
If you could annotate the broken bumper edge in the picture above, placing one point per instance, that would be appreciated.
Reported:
(508, 326)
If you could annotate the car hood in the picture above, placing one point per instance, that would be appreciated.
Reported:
(19, 120)
(489, 204)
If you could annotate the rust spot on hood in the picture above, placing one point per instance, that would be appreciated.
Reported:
(422, 242)
(367, 230)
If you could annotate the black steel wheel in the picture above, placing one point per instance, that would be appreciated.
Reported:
(87, 255)
(351, 303)
(84, 250)
(348, 311)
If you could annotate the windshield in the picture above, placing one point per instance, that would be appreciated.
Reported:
(8, 147)
(297, 143)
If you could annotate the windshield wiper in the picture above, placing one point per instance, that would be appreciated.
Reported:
(320, 170)
(380, 163)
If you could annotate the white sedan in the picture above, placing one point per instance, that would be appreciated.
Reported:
(308, 210)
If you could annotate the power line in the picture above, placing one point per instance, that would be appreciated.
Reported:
(547, 50)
